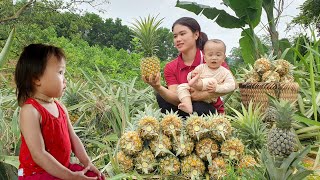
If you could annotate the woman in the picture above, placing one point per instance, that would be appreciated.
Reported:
(189, 41)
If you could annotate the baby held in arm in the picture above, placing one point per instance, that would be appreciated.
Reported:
(211, 76)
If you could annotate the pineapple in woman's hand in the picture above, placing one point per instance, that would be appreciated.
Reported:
(146, 31)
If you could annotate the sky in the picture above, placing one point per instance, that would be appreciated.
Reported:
(128, 10)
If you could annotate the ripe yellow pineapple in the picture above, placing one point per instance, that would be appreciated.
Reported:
(207, 148)
(219, 127)
(247, 161)
(252, 76)
(171, 124)
(270, 76)
(183, 145)
(145, 162)
(196, 127)
(161, 146)
(192, 166)
(148, 122)
(130, 143)
(232, 149)
(217, 169)
(169, 165)
(146, 31)
(262, 65)
(288, 78)
(125, 162)
(282, 67)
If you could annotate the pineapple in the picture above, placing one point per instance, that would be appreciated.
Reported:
(251, 75)
(288, 78)
(269, 116)
(282, 67)
(161, 145)
(247, 161)
(169, 165)
(130, 143)
(146, 31)
(171, 124)
(183, 145)
(196, 127)
(281, 139)
(192, 166)
(125, 162)
(207, 149)
(232, 149)
(262, 65)
(270, 76)
(217, 168)
(148, 123)
(145, 162)
(219, 127)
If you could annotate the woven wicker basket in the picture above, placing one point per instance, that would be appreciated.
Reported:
(257, 92)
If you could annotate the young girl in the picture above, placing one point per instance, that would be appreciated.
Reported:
(47, 135)
(189, 41)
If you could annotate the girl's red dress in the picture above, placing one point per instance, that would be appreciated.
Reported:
(56, 138)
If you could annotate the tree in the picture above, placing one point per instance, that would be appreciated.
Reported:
(309, 14)
(166, 49)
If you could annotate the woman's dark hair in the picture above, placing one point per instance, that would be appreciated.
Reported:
(194, 26)
(31, 66)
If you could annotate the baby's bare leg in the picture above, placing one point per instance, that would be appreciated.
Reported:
(196, 82)
(186, 105)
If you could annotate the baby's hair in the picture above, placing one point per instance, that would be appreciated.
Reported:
(31, 66)
(218, 41)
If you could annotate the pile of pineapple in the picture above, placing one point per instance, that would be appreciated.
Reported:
(166, 145)
(268, 71)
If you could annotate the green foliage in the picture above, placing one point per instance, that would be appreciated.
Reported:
(6, 48)
(146, 30)
(309, 13)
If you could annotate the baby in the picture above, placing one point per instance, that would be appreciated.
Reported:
(210, 77)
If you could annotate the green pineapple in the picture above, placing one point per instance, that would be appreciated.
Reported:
(281, 138)
(145, 30)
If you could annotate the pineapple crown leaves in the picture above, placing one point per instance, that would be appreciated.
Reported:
(148, 111)
(286, 168)
(285, 112)
(145, 30)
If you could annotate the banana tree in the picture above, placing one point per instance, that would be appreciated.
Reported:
(248, 16)
(6, 47)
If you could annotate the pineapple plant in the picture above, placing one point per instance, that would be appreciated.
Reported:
(131, 143)
(183, 145)
(207, 149)
(192, 166)
(145, 162)
(148, 123)
(171, 124)
(232, 149)
(125, 162)
(219, 127)
(262, 65)
(281, 138)
(169, 165)
(196, 127)
(269, 116)
(217, 168)
(145, 30)
(161, 146)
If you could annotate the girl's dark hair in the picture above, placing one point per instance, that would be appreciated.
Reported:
(194, 26)
(31, 66)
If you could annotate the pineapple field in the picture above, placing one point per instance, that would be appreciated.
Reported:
(270, 130)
